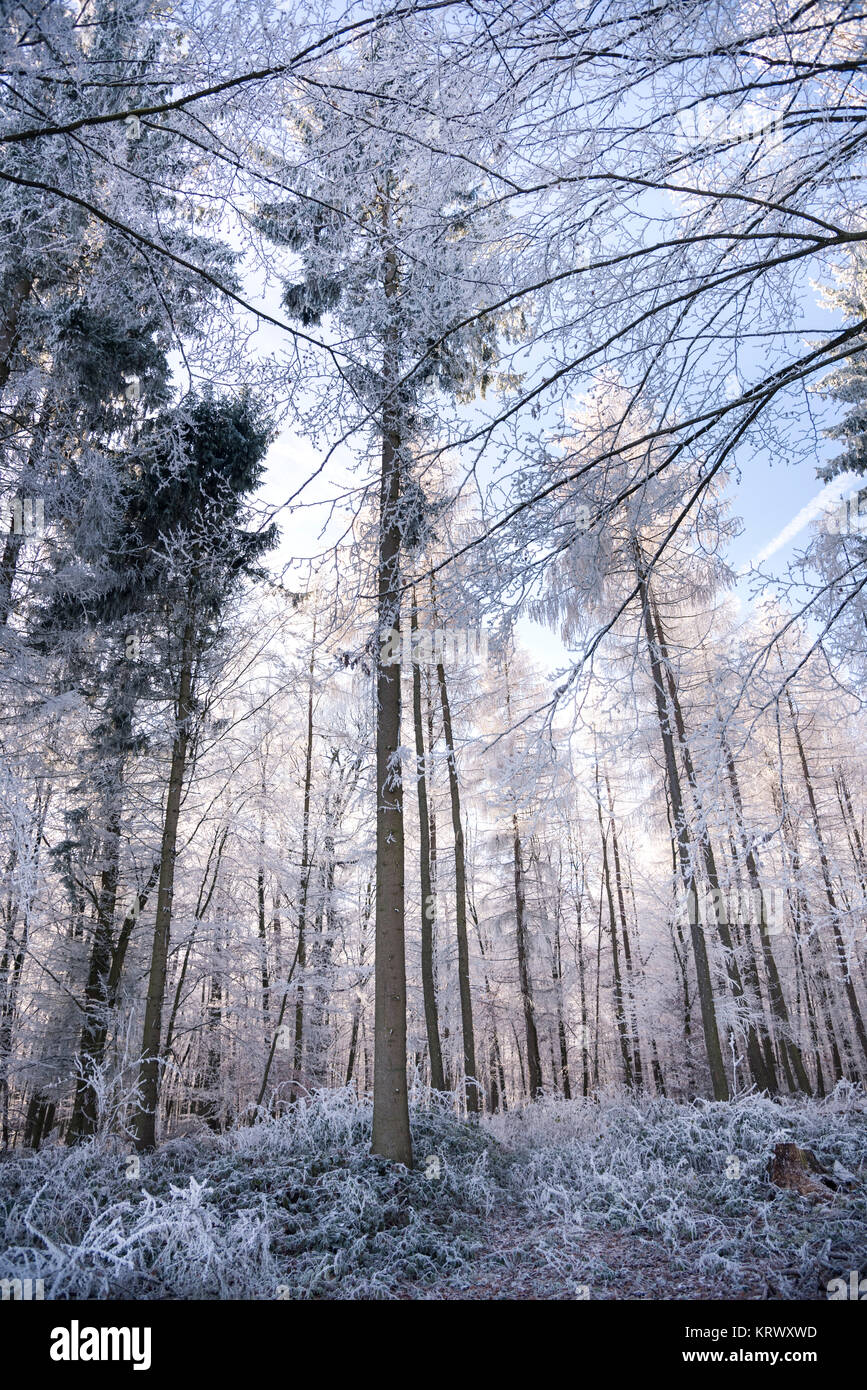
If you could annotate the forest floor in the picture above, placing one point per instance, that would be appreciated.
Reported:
(520, 1262)
(612, 1198)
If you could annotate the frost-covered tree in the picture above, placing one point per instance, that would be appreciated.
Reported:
(379, 221)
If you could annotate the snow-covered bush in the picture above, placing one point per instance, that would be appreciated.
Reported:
(694, 1178)
(290, 1208)
(614, 1198)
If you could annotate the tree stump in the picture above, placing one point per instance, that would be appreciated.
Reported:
(800, 1171)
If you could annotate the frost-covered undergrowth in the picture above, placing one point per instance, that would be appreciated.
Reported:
(289, 1208)
(693, 1178)
(297, 1207)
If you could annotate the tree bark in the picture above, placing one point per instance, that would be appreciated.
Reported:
(149, 1072)
(16, 298)
(534, 1063)
(304, 885)
(391, 1136)
(96, 1000)
(428, 899)
(619, 1010)
(629, 1005)
(471, 1085)
(557, 972)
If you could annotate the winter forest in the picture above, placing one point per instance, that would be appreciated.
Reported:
(433, 635)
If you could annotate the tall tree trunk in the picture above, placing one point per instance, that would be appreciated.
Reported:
(428, 899)
(779, 1008)
(209, 1105)
(98, 995)
(391, 1136)
(762, 1073)
(325, 937)
(94, 1029)
(707, 1005)
(11, 963)
(356, 1009)
(534, 1064)
(856, 843)
(430, 710)
(206, 892)
(520, 1057)
(15, 298)
(805, 933)
(809, 1011)
(14, 540)
(619, 1009)
(39, 1121)
(304, 885)
(277, 1026)
(263, 941)
(471, 1084)
(596, 1018)
(582, 989)
(776, 1054)
(144, 1123)
(848, 982)
(629, 1001)
(13, 955)
(498, 1077)
(557, 973)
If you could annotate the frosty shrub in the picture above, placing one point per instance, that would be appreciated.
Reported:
(293, 1207)
(296, 1207)
(694, 1177)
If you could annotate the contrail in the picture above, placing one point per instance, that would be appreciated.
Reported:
(832, 492)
